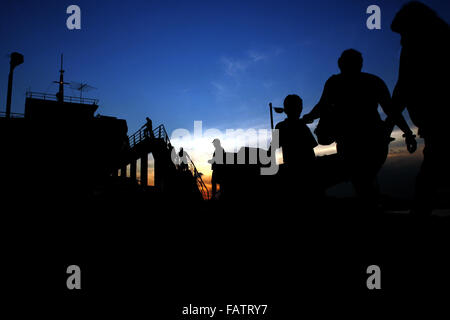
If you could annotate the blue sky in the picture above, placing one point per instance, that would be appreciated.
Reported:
(179, 61)
(220, 62)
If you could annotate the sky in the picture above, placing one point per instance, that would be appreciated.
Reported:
(219, 62)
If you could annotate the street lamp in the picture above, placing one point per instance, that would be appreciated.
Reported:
(16, 59)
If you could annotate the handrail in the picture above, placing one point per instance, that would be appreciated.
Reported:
(198, 178)
(53, 97)
(160, 132)
(142, 134)
(12, 115)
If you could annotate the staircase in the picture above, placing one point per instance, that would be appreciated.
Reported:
(168, 175)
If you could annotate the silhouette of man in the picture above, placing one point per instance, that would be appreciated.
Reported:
(422, 88)
(183, 160)
(352, 98)
(149, 127)
(218, 158)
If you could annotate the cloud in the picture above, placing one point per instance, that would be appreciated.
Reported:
(223, 90)
(268, 84)
(219, 87)
(398, 146)
(321, 150)
(256, 56)
(278, 51)
(233, 67)
(400, 165)
(200, 148)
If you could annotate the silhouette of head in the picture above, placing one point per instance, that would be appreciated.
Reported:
(216, 143)
(350, 61)
(416, 18)
(147, 118)
(293, 106)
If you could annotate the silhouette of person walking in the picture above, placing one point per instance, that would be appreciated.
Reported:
(350, 103)
(297, 143)
(422, 88)
(183, 160)
(295, 138)
(149, 127)
(217, 159)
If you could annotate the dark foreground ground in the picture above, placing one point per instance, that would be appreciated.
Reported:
(151, 258)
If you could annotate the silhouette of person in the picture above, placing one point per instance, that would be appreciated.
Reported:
(295, 138)
(297, 144)
(149, 127)
(350, 99)
(422, 88)
(183, 160)
(218, 158)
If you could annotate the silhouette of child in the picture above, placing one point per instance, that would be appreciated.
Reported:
(295, 138)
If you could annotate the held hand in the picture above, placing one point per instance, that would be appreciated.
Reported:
(411, 143)
(307, 118)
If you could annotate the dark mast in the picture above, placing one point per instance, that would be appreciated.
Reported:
(60, 94)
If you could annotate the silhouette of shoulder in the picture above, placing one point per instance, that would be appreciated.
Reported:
(295, 130)
(363, 80)
(280, 125)
(375, 80)
(363, 76)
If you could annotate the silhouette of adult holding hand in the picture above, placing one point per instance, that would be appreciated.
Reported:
(350, 103)
(422, 88)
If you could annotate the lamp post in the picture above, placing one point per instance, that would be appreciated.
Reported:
(16, 59)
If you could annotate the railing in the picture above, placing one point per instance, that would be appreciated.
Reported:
(160, 132)
(198, 178)
(12, 115)
(143, 134)
(53, 97)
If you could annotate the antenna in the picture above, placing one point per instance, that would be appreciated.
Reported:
(60, 94)
(80, 86)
